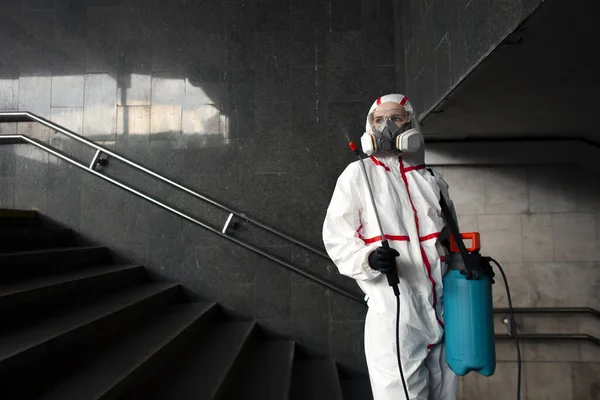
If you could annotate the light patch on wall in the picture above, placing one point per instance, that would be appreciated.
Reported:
(158, 106)
(205, 121)
(9, 90)
(133, 120)
(100, 106)
(203, 118)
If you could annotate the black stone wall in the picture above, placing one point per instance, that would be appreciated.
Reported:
(243, 101)
(438, 42)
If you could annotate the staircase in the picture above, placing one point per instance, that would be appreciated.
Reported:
(76, 326)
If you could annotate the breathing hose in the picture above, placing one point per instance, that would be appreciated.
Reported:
(392, 277)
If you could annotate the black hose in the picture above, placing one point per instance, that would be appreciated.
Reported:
(392, 278)
(398, 346)
(513, 327)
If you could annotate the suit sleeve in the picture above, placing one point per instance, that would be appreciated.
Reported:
(340, 229)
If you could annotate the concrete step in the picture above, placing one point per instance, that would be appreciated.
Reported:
(27, 301)
(124, 369)
(265, 372)
(18, 218)
(32, 358)
(315, 379)
(28, 264)
(208, 365)
(33, 238)
(357, 389)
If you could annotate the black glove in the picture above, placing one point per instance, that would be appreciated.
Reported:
(383, 260)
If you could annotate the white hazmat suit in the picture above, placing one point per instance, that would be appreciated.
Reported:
(407, 196)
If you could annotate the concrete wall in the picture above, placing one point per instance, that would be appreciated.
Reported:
(521, 87)
(438, 42)
(542, 223)
(286, 77)
(243, 101)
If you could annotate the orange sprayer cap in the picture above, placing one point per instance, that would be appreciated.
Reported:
(475, 242)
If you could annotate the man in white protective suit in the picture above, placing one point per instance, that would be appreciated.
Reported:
(407, 197)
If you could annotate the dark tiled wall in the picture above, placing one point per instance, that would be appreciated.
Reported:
(443, 39)
(244, 101)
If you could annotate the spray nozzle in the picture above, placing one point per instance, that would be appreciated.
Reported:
(351, 144)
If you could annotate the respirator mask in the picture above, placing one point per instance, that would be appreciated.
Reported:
(389, 138)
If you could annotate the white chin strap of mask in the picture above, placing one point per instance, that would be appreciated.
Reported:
(409, 141)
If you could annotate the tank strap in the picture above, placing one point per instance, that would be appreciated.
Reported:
(452, 224)
(455, 262)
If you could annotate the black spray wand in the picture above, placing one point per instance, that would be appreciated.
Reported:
(392, 276)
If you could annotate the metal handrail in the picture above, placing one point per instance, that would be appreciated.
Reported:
(550, 310)
(558, 337)
(19, 116)
(25, 116)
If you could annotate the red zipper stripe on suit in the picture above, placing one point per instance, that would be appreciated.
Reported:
(403, 171)
(397, 238)
(411, 168)
(388, 237)
(423, 254)
(379, 163)
(430, 236)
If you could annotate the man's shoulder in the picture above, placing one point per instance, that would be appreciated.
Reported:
(351, 173)
(352, 168)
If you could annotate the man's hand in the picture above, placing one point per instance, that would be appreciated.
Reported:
(383, 260)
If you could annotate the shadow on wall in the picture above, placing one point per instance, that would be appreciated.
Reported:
(248, 160)
(97, 69)
(29, 165)
(231, 102)
(243, 101)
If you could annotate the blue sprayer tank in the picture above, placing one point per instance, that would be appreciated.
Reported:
(468, 321)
